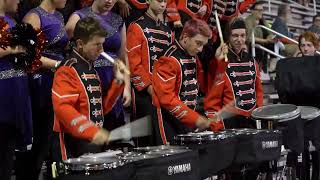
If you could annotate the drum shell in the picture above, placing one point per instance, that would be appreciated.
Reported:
(259, 147)
(214, 156)
(292, 133)
(284, 117)
(125, 172)
(182, 166)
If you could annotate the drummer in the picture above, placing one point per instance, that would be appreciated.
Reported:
(236, 89)
(79, 104)
(175, 80)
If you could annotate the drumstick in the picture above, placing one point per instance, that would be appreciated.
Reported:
(111, 59)
(220, 33)
(138, 128)
(222, 113)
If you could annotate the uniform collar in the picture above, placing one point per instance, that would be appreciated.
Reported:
(79, 57)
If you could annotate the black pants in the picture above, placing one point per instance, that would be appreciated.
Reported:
(45, 147)
(142, 106)
(7, 146)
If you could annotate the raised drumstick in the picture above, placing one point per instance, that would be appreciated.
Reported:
(111, 59)
(220, 32)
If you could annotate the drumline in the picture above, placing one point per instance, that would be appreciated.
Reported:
(203, 154)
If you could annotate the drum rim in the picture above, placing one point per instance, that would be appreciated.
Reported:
(90, 166)
(308, 117)
(282, 117)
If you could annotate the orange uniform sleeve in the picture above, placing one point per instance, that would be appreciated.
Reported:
(244, 6)
(112, 95)
(65, 96)
(213, 101)
(172, 11)
(140, 78)
(166, 75)
(259, 90)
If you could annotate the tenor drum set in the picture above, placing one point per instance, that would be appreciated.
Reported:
(280, 128)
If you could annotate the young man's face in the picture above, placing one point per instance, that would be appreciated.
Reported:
(59, 3)
(93, 48)
(317, 21)
(106, 5)
(157, 6)
(238, 39)
(258, 11)
(195, 44)
(307, 48)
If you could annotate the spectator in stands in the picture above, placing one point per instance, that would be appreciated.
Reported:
(280, 25)
(262, 37)
(315, 27)
(308, 44)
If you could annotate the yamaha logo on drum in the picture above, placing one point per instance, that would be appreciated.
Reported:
(182, 168)
(269, 144)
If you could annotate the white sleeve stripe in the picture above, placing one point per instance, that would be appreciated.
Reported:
(165, 80)
(64, 96)
(134, 48)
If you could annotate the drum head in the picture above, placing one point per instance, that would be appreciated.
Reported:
(157, 148)
(94, 164)
(90, 161)
(309, 112)
(276, 112)
(168, 152)
(106, 154)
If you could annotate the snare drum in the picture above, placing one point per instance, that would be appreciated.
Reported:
(88, 165)
(284, 117)
(216, 150)
(311, 117)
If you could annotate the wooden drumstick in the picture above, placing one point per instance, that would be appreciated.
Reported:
(220, 33)
(111, 59)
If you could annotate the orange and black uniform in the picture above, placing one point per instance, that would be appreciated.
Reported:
(236, 7)
(183, 10)
(236, 88)
(147, 40)
(79, 105)
(177, 77)
(138, 8)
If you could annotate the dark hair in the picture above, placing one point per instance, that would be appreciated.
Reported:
(88, 27)
(196, 26)
(234, 23)
(256, 4)
(282, 9)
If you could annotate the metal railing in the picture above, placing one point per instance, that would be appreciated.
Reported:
(299, 5)
(254, 45)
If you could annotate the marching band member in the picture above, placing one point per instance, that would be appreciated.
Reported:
(235, 7)
(176, 79)
(237, 87)
(78, 100)
(180, 11)
(46, 18)
(148, 39)
(15, 105)
(115, 46)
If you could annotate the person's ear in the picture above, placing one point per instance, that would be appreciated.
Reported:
(79, 43)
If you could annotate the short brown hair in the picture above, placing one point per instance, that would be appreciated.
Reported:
(88, 27)
(310, 36)
(196, 26)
